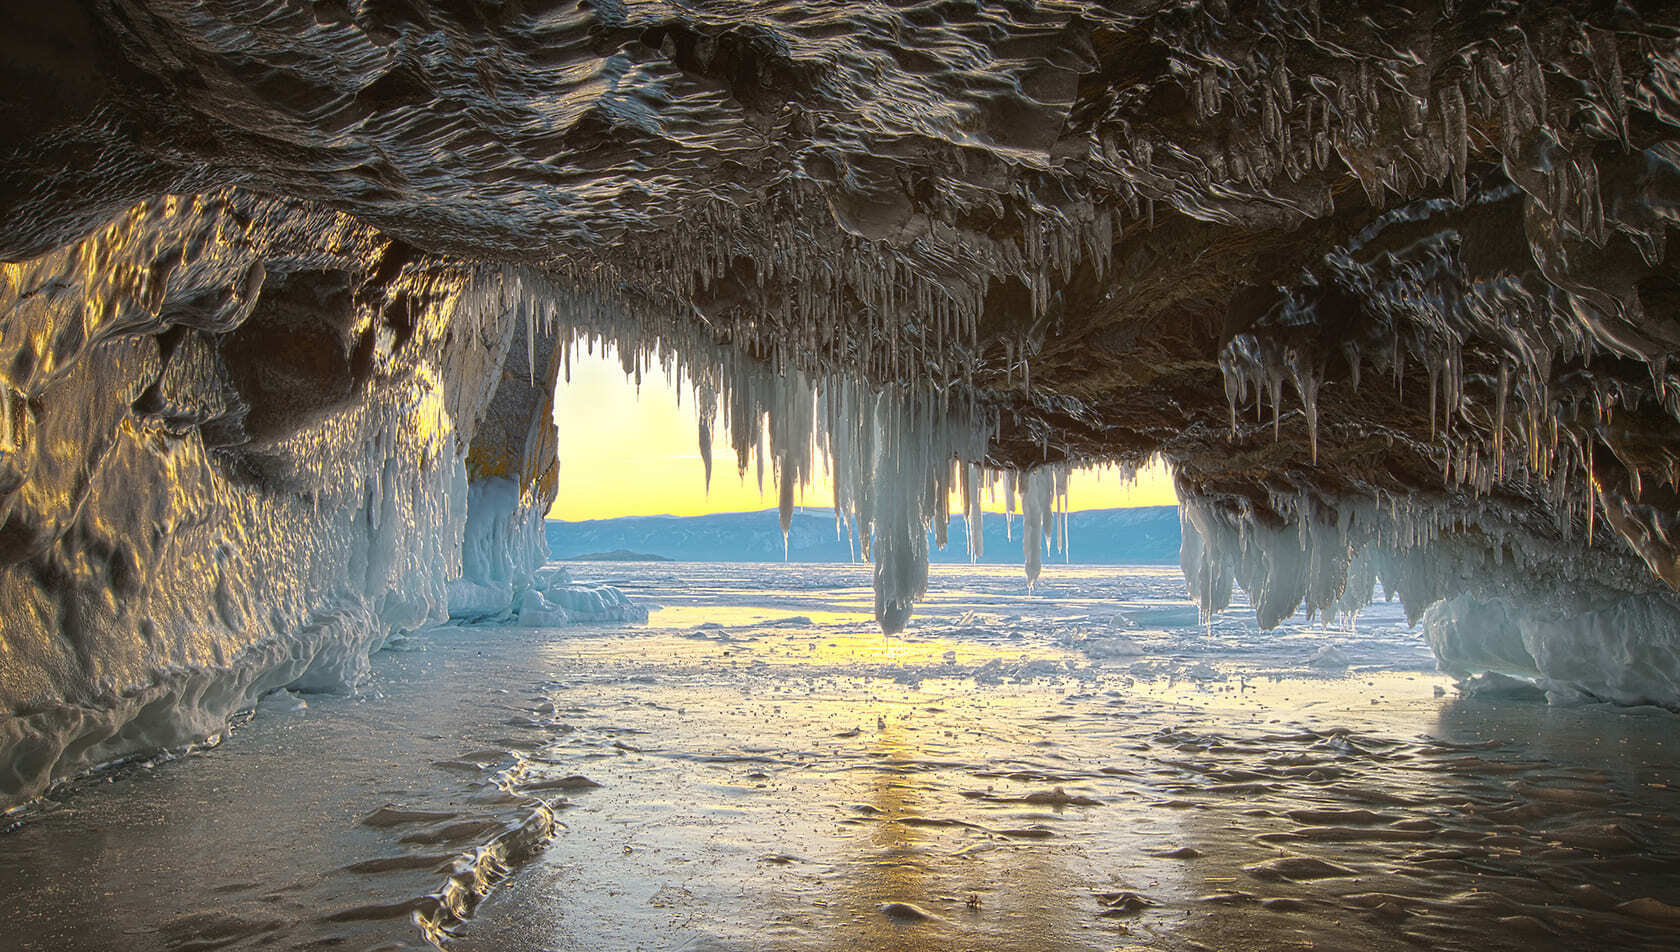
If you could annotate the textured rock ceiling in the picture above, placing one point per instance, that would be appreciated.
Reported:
(1320, 255)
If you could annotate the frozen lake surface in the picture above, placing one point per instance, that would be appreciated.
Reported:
(1083, 768)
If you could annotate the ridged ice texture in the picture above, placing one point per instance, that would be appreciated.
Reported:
(1008, 202)
(1619, 648)
(929, 194)
(1062, 229)
(297, 471)
(779, 163)
(186, 526)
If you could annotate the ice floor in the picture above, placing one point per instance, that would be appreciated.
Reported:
(759, 769)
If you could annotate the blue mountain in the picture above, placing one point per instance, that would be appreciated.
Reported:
(1143, 535)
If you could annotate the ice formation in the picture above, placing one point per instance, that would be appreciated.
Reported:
(289, 286)
(896, 453)
(1488, 597)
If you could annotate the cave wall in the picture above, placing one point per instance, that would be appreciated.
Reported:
(235, 454)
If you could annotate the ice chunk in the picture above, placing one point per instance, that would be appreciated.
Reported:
(281, 701)
(1329, 657)
(535, 611)
(474, 601)
(1489, 684)
(585, 602)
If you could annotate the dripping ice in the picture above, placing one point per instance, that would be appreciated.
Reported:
(896, 454)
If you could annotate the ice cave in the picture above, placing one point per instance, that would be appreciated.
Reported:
(290, 286)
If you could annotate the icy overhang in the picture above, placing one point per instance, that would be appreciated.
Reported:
(1394, 280)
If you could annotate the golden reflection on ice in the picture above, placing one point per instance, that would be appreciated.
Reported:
(916, 876)
(887, 866)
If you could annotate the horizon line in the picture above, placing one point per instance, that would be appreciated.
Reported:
(825, 509)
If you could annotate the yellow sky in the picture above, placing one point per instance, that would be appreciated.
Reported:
(624, 455)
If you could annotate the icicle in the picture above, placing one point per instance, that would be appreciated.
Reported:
(530, 341)
(973, 515)
(1037, 488)
(706, 451)
(1010, 478)
(1499, 431)
(785, 510)
(1276, 385)
(1434, 378)
(758, 457)
(1592, 491)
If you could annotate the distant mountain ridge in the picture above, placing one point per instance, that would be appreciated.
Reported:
(1140, 536)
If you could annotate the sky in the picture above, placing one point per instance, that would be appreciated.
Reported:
(629, 454)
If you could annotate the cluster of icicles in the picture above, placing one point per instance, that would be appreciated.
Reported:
(1527, 418)
(784, 280)
(896, 455)
(1274, 116)
(1297, 553)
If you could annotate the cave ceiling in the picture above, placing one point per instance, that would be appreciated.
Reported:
(1302, 249)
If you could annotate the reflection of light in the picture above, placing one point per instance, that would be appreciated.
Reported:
(428, 417)
(892, 867)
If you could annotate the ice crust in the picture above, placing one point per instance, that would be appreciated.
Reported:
(895, 452)
(1625, 650)
(181, 556)
(196, 579)
(1491, 596)
(502, 542)
(368, 519)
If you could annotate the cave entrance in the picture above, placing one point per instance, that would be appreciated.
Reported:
(632, 472)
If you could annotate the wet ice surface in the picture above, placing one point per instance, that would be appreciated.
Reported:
(758, 768)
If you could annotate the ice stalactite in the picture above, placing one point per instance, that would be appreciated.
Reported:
(893, 452)
(896, 452)
(503, 544)
(1492, 595)
(1208, 573)
(974, 512)
(1043, 515)
(238, 436)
